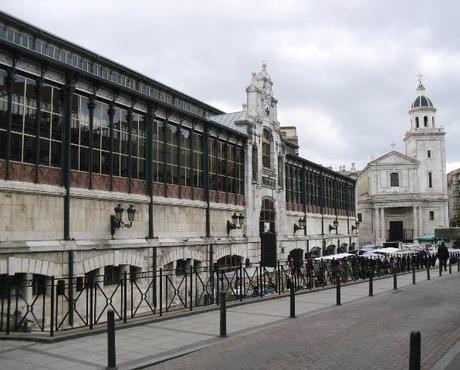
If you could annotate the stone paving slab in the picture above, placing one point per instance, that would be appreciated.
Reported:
(150, 343)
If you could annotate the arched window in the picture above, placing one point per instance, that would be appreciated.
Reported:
(416, 122)
(394, 179)
(266, 148)
(425, 121)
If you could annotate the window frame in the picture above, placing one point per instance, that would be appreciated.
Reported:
(394, 179)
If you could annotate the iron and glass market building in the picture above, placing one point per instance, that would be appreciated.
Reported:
(81, 134)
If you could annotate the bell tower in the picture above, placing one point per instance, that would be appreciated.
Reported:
(260, 100)
(425, 142)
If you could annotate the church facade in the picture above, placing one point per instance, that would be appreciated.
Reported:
(104, 170)
(404, 196)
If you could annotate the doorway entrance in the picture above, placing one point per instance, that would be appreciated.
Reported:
(267, 233)
(396, 231)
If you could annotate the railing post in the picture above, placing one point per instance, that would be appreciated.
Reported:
(222, 274)
(161, 291)
(371, 282)
(8, 308)
(395, 278)
(91, 305)
(413, 272)
(241, 281)
(323, 273)
(260, 280)
(450, 267)
(292, 300)
(415, 352)
(264, 281)
(223, 316)
(338, 283)
(279, 277)
(125, 297)
(244, 280)
(52, 308)
(191, 287)
(218, 289)
(111, 354)
(440, 267)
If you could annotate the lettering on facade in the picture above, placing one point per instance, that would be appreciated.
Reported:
(269, 182)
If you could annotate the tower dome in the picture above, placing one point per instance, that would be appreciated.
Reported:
(422, 112)
(421, 100)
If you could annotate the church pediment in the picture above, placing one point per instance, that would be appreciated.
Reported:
(393, 158)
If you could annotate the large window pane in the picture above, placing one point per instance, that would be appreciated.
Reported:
(73, 157)
(31, 96)
(45, 125)
(29, 121)
(57, 127)
(55, 154)
(46, 97)
(17, 118)
(16, 147)
(19, 90)
(105, 163)
(29, 149)
(44, 152)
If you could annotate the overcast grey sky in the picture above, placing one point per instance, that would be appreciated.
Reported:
(344, 72)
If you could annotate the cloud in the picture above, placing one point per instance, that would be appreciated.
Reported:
(343, 72)
(319, 137)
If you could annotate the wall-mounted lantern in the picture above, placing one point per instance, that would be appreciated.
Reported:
(334, 226)
(116, 220)
(301, 224)
(355, 227)
(236, 223)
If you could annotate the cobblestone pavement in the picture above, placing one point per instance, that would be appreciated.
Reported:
(365, 334)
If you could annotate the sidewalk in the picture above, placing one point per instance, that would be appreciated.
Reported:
(141, 346)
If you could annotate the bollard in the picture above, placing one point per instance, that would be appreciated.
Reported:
(428, 269)
(223, 316)
(111, 355)
(292, 301)
(458, 264)
(413, 273)
(440, 267)
(395, 279)
(450, 268)
(414, 355)
(371, 283)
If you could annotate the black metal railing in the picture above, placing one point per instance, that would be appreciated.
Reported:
(83, 301)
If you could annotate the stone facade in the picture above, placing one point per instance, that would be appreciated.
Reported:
(404, 196)
(56, 218)
(453, 186)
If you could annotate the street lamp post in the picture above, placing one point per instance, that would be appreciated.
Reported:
(236, 223)
(116, 220)
(301, 224)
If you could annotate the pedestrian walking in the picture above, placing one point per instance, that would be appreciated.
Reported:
(443, 255)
